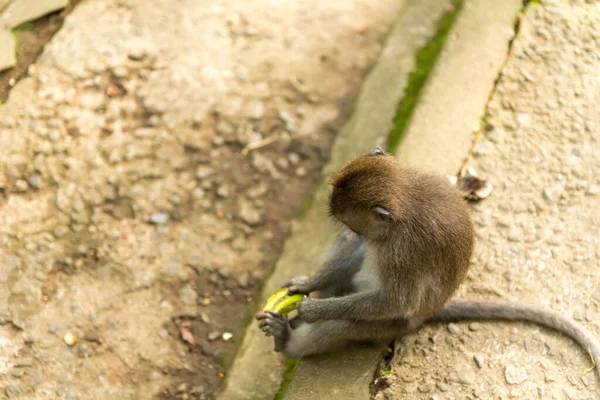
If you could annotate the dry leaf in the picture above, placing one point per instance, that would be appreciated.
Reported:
(188, 337)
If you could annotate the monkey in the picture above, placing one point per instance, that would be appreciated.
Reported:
(405, 248)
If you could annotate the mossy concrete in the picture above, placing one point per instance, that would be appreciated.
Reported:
(452, 102)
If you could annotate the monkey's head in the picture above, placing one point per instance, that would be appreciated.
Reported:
(365, 194)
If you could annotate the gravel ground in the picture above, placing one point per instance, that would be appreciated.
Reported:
(152, 161)
(538, 233)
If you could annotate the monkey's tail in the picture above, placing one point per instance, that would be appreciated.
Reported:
(457, 310)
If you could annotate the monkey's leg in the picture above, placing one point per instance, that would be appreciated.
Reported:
(341, 264)
(324, 336)
(367, 305)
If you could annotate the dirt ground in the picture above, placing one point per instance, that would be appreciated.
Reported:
(153, 160)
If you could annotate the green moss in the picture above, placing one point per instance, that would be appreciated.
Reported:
(425, 60)
(290, 370)
(18, 33)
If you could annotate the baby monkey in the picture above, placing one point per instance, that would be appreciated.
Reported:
(405, 249)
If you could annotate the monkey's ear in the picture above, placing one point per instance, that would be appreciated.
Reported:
(377, 152)
(383, 213)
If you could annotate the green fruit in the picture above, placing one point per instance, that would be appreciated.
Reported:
(282, 302)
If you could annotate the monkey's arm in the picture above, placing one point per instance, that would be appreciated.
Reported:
(341, 263)
(367, 305)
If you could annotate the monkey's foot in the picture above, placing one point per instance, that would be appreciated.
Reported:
(276, 325)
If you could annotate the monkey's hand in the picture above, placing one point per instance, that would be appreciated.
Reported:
(274, 324)
(309, 309)
(299, 284)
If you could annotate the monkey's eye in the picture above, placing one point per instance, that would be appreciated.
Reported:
(377, 151)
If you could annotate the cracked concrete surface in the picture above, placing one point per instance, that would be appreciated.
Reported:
(537, 235)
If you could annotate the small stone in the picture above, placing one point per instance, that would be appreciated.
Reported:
(552, 194)
(474, 326)
(484, 149)
(294, 159)
(12, 391)
(478, 360)
(204, 171)
(515, 375)
(593, 190)
(35, 181)
(163, 333)
(454, 329)
(290, 124)
(60, 231)
(70, 339)
(198, 193)
(21, 185)
(243, 281)
(515, 235)
(257, 110)
(136, 49)
(443, 387)
(258, 190)
(300, 172)
(212, 336)
(198, 390)
(524, 119)
(549, 377)
(17, 373)
(426, 388)
(496, 135)
(227, 336)
(159, 218)
(188, 295)
(223, 191)
(248, 213)
(182, 388)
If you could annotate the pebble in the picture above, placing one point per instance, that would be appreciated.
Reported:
(225, 128)
(35, 181)
(290, 124)
(223, 191)
(204, 171)
(496, 135)
(300, 172)
(524, 119)
(426, 388)
(243, 280)
(474, 326)
(188, 295)
(294, 159)
(454, 328)
(12, 391)
(593, 190)
(212, 336)
(227, 336)
(552, 193)
(484, 149)
(257, 110)
(515, 375)
(478, 360)
(21, 185)
(163, 333)
(70, 339)
(443, 387)
(248, 213)
(159, 218)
